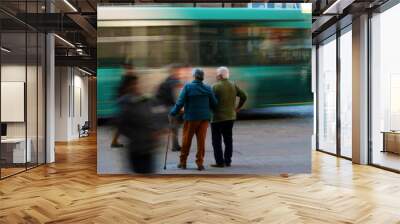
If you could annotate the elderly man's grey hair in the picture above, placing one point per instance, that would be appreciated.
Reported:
(198, 73)
(223, 72)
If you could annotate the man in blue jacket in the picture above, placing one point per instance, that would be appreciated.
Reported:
(198, 100)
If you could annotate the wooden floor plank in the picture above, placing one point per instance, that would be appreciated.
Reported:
(70, 191)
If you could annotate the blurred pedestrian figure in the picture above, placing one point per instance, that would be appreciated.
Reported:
(166, 94)
(141, 122)
(224, 116)
(129, 70)
(198, 100)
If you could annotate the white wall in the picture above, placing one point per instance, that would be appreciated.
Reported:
(80, 89)
(71, 87)
(15, 73)
(13, 101)
(33, 126)
(62, 81)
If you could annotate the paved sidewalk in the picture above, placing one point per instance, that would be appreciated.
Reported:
(274, 141)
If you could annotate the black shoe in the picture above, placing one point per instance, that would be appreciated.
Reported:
(117, 145)
(228, 164)
(200, 168)
(182, 166)
(176, 149)
(217, 165)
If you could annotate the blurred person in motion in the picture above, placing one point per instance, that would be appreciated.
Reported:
(167, 95)
(129, 70)
(198, 100)
(141, 122)
(224, 116)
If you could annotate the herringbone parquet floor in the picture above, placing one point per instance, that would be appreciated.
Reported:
(70, 191)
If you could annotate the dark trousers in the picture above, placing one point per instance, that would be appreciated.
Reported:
(223, 130)
(175, 123)
(142, 156)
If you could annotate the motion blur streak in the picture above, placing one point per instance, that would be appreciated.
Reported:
(270, 59)
(268, 51)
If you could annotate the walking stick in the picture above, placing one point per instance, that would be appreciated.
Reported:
(166, 149)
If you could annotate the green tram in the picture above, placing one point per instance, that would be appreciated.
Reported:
(268, 51)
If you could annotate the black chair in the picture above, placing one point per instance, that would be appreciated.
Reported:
(84, 130)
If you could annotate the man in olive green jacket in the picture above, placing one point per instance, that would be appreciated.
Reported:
(224, 116)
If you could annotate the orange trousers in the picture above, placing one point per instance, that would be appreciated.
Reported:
(191, 128)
